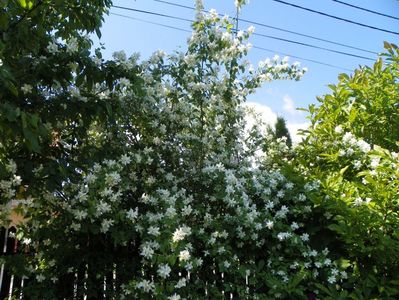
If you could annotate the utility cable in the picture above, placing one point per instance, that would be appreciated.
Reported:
(336, 17)
(255, 47)
(150, 22)
(256, 34)
(312, 46)
(365, 9)
(152, 13)
(302, 58)
(276, 28)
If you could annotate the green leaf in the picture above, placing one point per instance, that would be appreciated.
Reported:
(342, 171)
(98, 32)
(3, 21)
(23, 3)
(3, 3)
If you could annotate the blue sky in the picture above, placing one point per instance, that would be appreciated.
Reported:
(282, 97)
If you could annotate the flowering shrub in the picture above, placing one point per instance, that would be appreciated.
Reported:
(351, 148)
(144, 178)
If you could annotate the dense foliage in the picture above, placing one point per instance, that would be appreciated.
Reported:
(351, 148)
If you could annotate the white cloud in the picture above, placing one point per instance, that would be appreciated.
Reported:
(289, 106)
(265, 113)
(293, 129)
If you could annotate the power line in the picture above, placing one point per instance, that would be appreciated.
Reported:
(312, 46)
(255, 47)
(365, 9)
(276, 28)
(152, 13)
(302, 58)
(150, 22)
(256, 34)
(335, 17)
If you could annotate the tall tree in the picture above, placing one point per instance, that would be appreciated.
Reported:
(281, 130)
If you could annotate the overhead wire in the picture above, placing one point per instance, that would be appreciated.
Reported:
(152, 13)
(150, 22)
(255, 47)
(255, 34)
(276, 28)
(365, 9)
(336, 17)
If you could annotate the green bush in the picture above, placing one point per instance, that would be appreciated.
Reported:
(351, 148)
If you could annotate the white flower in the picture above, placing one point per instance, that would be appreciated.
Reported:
(184, 255)
(72, 45)
(119, 55)
(181, 283)
(294, 225)
(186, 210)
(146, 285)
(342, 152)
(16, 180)
(97, 61)
(153, 230)
(164, 271)
(284, 235)
(213, 13)
(75, 226)
(305, 237)
(181, 233)
(26, 88)
(52, 47)
(363, 146)
(106, 224)
(331, 279)
(75, 92)
(358, 201)
(102, 207)
(132, 214)
(170, 212)
(40, 278)
(112, 179)
(375, 162)
(26, 241)
(90, 178)
(251, 29)
(147, 251)
(1, 62)
(357, 164)
(269, 224)
(80, 214)
(174, 297)
(125, 159)
(124, 82)
(338, 129)
(226, 264)
(350, 151)
(150, 180)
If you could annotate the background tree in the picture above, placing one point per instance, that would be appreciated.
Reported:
(281, 130)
